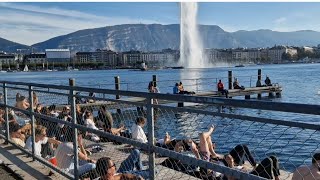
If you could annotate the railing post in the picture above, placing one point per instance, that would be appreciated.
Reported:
(117, 87)
(72, 102)
(154, 79)
(32, 121)
(6, 117)
(259, 79)
(150, 113)
(230, 79)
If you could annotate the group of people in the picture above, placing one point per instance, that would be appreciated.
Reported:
(236, 85)
(54, 140)
(179, 89)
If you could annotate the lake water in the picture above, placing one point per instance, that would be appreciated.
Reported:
(300, 84)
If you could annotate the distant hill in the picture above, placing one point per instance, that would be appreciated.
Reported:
(9, 46)
(151, 37)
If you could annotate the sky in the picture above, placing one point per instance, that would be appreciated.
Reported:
(32, 22)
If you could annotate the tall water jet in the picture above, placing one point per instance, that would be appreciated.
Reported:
(191, 48)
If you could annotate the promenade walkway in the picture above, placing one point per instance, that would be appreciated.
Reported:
(22, 165)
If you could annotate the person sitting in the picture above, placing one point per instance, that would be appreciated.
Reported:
(35, 99)
(16, 135)
(308, 171)
(176, 89)
(137, 131)
(22, 103)
(105, 117)
(236, 85)
(40, 138)
(91, 124)
(65, 157)
(106, 169)
(92, 96)
(221, 89)
(268, 81)
(182, 90)
(267, 168)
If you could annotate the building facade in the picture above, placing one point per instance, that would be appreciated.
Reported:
(58, 55)
(35, 58)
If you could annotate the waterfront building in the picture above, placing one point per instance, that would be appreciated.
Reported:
(254, 55)
(36, 58)
(84, 57)
(107, 57)
(240, 54)
(131, 58)
(308, 49)
(7, 59)
(58, 55)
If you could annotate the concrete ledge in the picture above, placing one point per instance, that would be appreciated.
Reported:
(22, 165)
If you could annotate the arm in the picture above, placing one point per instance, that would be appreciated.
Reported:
(53, 141)
(195, 151)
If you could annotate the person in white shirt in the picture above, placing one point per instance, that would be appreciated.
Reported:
(40, 138)
(137, 131)
(306, 172)
(90, 124)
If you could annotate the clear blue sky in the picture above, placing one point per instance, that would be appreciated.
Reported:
(30, 23)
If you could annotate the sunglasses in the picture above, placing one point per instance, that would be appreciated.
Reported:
(114, 165)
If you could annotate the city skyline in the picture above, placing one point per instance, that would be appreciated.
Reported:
(30, 23)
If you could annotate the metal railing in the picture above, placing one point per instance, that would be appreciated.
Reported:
(262, 125)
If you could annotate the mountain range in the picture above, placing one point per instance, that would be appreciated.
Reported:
(153, 37)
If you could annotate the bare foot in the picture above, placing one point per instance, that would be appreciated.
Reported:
(211, 128)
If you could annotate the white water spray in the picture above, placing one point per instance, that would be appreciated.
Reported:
(191, 48)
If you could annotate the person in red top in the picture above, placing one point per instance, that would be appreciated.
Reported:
(221, 89)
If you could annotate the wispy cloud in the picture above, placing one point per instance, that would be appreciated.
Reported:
(280, 20)
(31, 24)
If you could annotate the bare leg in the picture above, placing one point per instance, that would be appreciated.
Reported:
(203, 140)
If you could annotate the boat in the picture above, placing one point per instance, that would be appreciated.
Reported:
(25, 69)
(240, 65)
(177, 67)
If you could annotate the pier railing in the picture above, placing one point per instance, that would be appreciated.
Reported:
(286, 130)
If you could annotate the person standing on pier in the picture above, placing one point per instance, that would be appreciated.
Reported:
(221, 89)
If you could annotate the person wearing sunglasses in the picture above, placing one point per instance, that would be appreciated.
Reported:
(107, 170)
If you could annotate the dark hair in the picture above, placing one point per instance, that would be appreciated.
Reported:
(140, 120)
(52, 107)
(11, 117)
(13, 127)
(180, 83)
(102, 165)
(150, 85)
(316, 157)
(177, 84)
